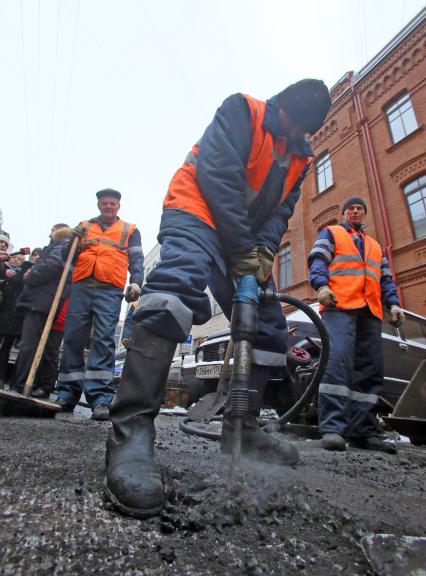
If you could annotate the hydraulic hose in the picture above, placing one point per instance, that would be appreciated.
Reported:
(184, 424)
(322, 363)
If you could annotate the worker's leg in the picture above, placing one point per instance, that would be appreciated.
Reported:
(5, 348)
(106, 306)
(31, 332)
(77, 326)
(48, 371)
(172, 300)
(335, 388)
(367, 384)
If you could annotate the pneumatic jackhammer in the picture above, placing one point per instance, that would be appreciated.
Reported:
(243, 331)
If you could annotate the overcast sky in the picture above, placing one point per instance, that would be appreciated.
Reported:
(113, 93)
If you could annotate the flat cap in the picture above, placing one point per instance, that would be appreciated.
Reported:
(108, 192)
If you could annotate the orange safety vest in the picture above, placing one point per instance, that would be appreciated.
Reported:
(103, 254)
(355, 281)
(184, 192)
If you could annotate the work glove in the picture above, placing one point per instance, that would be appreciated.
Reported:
(132, 292)
(247, 263)
(266, 260)
(397, 315)
(326, 297)
(77, 231)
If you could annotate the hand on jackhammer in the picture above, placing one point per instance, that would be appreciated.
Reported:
(132, 292)
(266, 261)
(326, 297)
(258, 262)
(397, 315)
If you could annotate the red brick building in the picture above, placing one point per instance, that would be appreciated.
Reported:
(373, 144)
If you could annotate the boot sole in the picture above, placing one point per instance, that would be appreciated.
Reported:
(127, 510)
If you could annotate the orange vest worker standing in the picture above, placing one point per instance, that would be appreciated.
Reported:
(352, 276)
(109, 248)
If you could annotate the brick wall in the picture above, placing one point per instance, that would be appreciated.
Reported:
(402, 69)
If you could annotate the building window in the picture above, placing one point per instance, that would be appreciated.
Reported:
(401, 118)
(324, 173)
(415, 192)
(284, 267)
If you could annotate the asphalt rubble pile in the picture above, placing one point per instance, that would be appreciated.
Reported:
(308, 519)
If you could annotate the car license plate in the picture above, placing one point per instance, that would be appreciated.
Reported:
(208, 371)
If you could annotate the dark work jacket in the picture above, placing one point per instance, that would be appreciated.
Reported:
(42, 282)
(10, 318)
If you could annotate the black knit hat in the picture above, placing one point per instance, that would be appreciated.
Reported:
(354, 200)
(108, 192)
(307, 102)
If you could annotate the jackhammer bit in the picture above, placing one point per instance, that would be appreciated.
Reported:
(243, 331)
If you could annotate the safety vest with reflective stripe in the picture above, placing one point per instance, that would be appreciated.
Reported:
(184, 192)
(355, 281)
(104, 253)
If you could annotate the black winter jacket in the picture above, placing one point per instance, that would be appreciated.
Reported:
(11, 319)
(42, 282)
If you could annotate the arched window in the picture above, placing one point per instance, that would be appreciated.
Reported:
(415, 193)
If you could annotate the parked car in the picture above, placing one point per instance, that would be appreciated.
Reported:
(404, 349)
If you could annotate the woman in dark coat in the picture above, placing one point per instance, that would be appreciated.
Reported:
(11, 319)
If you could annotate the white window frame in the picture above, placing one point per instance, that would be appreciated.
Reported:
(285, 276)
(324, 173)
(415, 195)
(401, 118)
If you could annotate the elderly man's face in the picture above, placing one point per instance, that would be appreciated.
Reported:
(108, 207)
(354, 215)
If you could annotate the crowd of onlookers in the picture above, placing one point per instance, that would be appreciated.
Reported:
(16, 299)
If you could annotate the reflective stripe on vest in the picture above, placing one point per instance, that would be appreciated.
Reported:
(104, 253)
(184, 192)
(354, 281)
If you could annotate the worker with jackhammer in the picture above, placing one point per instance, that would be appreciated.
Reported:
(224, 215)
(352, 276)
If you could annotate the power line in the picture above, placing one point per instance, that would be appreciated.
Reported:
(70, 83)
(25, 93)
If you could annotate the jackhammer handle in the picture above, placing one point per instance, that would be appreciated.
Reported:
(49, 321)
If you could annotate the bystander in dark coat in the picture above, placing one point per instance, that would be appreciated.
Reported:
(11, 319)
(41, 283)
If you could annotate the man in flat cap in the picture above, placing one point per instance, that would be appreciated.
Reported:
(353, 279)
(224, 215)
(108, 248)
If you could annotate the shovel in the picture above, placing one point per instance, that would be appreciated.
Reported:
(212, 403)
(15, 404)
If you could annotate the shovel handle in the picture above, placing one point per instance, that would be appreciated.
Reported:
(49, 321)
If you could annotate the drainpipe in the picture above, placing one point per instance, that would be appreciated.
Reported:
(376, 178)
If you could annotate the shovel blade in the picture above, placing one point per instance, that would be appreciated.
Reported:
(18, 405)
(207, 407)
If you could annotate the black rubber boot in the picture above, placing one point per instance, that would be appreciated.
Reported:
(255, 442)
(133, 481)
(374, 443)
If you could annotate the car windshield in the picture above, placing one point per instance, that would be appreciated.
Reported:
(299, 316)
